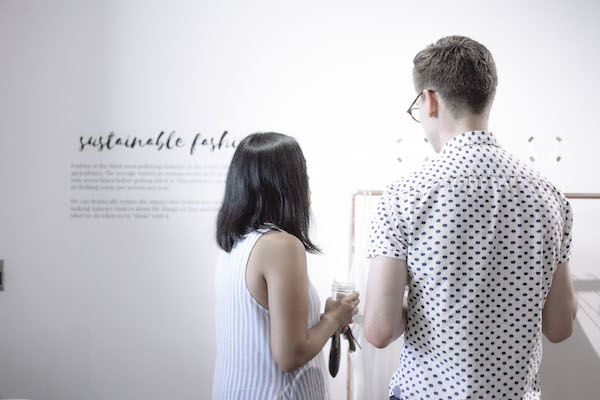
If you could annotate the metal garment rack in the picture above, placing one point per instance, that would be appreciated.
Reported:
(349, 370)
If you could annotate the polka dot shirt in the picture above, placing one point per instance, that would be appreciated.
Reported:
(482, 234)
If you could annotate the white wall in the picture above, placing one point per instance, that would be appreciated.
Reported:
(106, 310)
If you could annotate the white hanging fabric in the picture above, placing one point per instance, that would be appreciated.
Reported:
(372, 368)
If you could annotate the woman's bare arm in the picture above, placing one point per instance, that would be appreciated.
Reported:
(281, 260)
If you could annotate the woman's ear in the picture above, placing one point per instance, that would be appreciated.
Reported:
(432, 103)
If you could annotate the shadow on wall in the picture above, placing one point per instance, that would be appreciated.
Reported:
(572, 367)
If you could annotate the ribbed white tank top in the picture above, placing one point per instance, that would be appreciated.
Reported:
(245, 368)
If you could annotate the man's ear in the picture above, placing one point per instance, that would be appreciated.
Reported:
(432, 100)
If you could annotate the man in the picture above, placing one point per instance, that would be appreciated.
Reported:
(481, 240)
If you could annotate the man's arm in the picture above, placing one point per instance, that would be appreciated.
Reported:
(385, 313)
(560, 307)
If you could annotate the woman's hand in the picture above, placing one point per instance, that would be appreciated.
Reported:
(342, 311)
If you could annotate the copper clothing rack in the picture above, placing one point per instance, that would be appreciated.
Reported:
(380, 192)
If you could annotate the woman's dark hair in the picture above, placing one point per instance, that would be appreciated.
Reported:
(267, 186)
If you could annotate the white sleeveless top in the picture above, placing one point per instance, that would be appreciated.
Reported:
(245, 368)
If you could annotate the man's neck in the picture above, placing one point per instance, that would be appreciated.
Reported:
(468, 123)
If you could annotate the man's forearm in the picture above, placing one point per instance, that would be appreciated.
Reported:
(402, 323)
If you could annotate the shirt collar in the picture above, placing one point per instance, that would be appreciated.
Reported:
(469, 139)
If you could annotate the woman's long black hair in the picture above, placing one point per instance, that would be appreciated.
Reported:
(267, 185)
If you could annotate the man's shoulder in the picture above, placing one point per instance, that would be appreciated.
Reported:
(438, 172)
(529, 173)
(425, 177)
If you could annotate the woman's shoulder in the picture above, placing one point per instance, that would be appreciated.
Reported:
(280, 241)
(279, 253)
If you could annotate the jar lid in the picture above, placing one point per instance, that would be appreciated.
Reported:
(343, 285)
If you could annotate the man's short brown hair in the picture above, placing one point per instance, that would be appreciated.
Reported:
(461, 70)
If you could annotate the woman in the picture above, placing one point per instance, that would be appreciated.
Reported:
(269, 329)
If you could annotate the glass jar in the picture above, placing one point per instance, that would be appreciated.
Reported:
(341, 289)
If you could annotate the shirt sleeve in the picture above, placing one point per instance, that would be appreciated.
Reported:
(565, 244)
(386, 237)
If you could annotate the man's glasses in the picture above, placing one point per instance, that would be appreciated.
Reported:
(414, 107)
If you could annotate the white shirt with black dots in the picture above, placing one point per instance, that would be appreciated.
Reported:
(482, 234)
